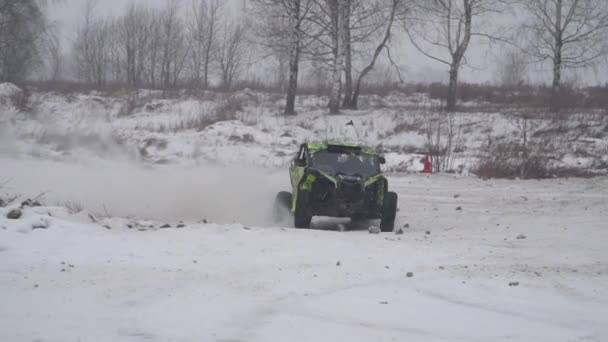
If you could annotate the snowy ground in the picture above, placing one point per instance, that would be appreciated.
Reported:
(467, 240)
(151, 230)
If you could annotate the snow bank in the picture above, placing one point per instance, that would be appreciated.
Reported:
(8, 93)
(247, 128)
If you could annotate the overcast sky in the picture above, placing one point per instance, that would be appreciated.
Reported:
(68, 14)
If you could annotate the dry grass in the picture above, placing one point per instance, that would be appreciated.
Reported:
(72, 207)
(511, 160)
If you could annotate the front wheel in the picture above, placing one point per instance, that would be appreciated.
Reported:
(389, 212)
(302, 216)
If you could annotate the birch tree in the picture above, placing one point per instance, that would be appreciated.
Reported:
(338, 12)
(442, 30)
(133, 32)
(231, 52)
(567, 33)
(174, 49)
(365, 21)
(22, 29)
(204, 31)
(90, 47)
(396, 9)
(283, 29)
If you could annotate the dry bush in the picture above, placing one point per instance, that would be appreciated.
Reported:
(521, 95)
(415, 126)
(307, 125)
(129, 106)
(228, 108)
(512, 160)
(72, 207)
(443, 139)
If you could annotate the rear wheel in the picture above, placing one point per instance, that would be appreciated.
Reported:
(282, 206)
(389, 212)
(302, 216)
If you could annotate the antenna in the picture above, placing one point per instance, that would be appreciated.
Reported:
(326, 128)
(351, 123)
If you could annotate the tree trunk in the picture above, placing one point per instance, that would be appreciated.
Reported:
(206, 71)
(208, 48)
(294, 60)
(292, 88)
(348, 79)
(453, 88)
(524, 163)
(338, 67)
(557, 60)
(348, 58)
(557, 81)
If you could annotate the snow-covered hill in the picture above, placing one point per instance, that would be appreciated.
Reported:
(246, 127)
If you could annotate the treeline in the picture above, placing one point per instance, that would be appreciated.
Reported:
(339, 43)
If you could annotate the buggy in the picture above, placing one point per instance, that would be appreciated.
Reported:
(337, 180)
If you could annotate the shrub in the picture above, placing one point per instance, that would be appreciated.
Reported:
(228, 108)
(73, 207)
(511, 160)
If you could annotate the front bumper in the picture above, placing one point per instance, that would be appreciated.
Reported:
(346, 198)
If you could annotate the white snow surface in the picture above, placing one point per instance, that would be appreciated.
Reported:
(129, 280)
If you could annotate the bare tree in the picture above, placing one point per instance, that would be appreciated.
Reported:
(90, 47)
(364, 21)
(283, 30)
(22, 29)
(155, 50)
(204, 30)
(344, 30)
(52, 65)
(134, 37)
(512, 68)
(82, 44)
(340, 26)
(336, 11)
(231, 52)
(442, 30)
(114, 50)
(568, 33)
(396, 8)
(174, 49)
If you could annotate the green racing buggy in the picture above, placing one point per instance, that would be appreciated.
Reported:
(337, 180)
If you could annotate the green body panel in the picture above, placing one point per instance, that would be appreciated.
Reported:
(296, 173)
(308, 182)
(381, 192)
(372, 180)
